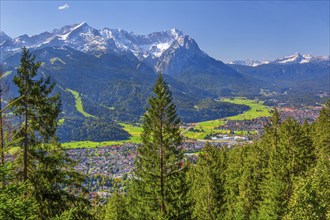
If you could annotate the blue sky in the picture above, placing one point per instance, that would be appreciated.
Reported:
(226, 30)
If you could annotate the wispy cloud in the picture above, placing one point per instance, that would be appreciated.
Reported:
(63, 7)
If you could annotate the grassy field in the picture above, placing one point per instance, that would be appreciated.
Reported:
(7, 73)
(54, 59)
(90, 144)
(257, 109)
(60, 122)
(79, 105)
(134, 131)
(205, 128)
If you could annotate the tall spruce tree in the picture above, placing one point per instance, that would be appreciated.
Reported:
(37, 108)
(311, 197)
(243, 179)
(208, 181)
(158, 189)
(54, 183)
(289, 160)
(3, 91)
(117, 207)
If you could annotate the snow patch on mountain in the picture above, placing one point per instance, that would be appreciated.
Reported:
(249, 62)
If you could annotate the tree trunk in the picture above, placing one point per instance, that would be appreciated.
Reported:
(162, 205)
(1, 132)
(26, 135)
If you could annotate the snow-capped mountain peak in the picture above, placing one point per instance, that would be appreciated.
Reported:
(4, 38)
(84, 38)
(176, 32)
(299, 58)
(4, 35)
(249, 62)
(296, 58)
(76, 28)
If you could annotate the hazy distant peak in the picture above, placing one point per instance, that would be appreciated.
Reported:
(296, 58)
(4, 39)
(299, 58)
(3, 34)
(249, 62)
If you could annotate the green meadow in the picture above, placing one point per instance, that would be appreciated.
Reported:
(133, 130)
(5, 74)
(257, 109)
(79, 104)
(205, 128)
(56, 59)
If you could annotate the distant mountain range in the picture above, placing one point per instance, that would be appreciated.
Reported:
(293, 59)
(113, 72)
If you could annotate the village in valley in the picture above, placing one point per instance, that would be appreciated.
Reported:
(108, 167)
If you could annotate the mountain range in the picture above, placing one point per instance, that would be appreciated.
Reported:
(112, 72)
(296, 58)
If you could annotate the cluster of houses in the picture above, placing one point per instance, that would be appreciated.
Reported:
(111, 161)
(309, 113)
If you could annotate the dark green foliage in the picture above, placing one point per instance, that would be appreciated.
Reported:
(91, 129)
(311, 197)
(3, 90)
(209, 109)
(158, 189)
(243, 178)
(208, 180)
(15, 203)
(57, 187)
(117, 207)
(321, 133)
(290, 155)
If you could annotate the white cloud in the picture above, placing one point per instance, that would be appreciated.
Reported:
(63, 7)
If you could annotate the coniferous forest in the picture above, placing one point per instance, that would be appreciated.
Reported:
(285, 174)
